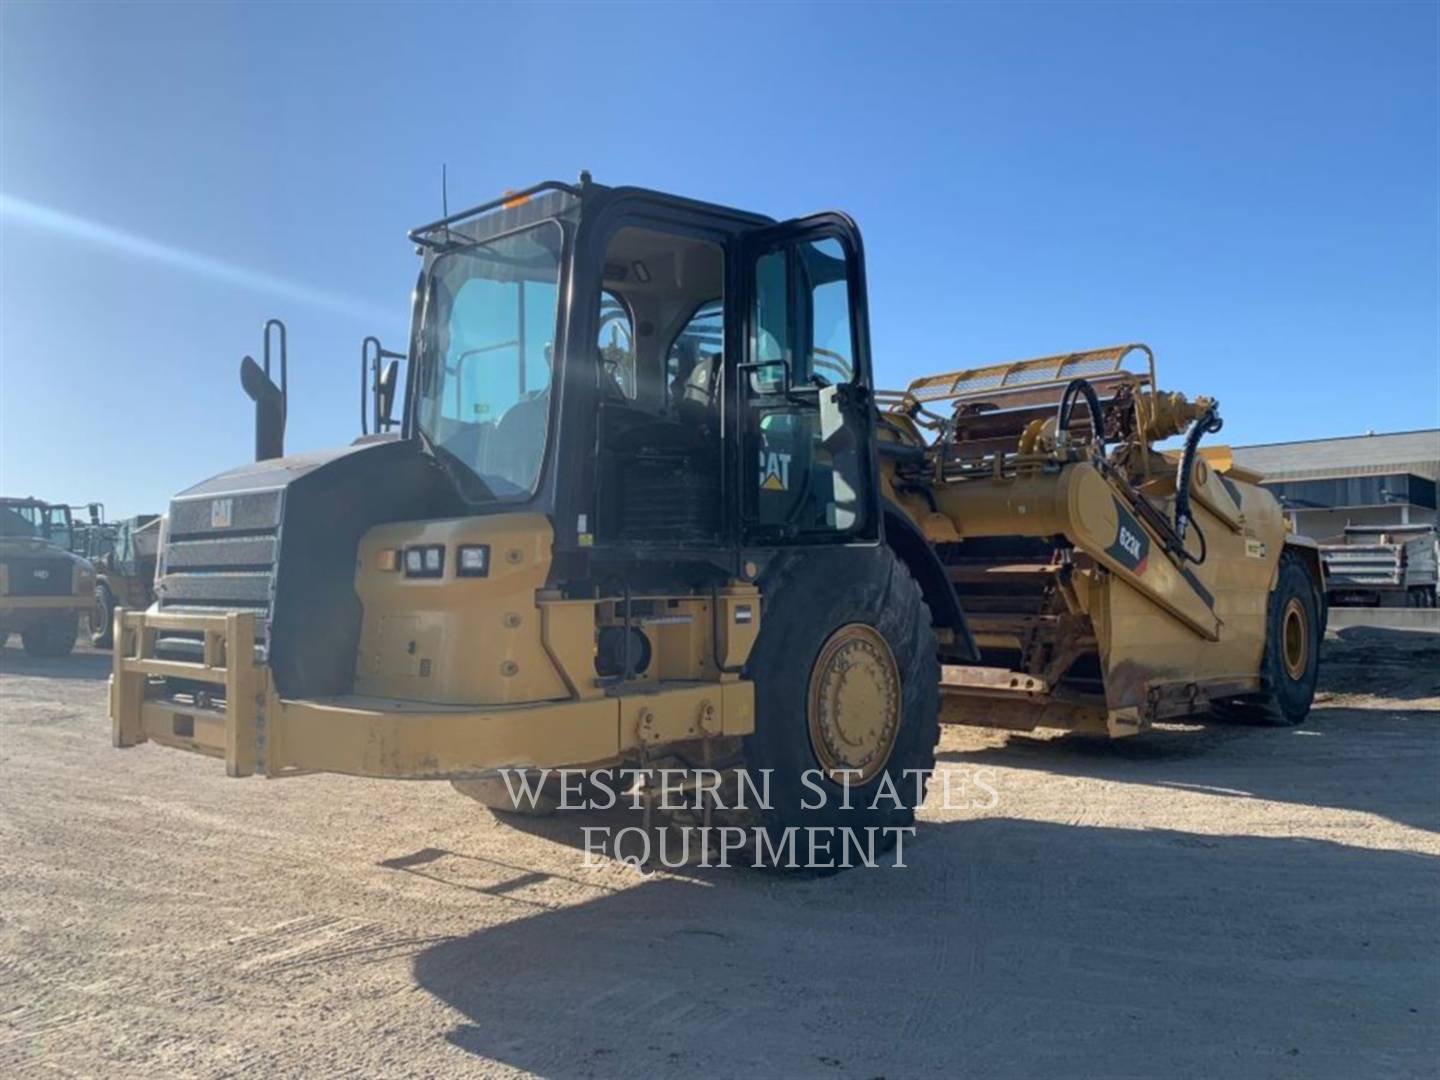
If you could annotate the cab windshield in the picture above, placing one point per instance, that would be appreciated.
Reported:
(22, 519)
(489, 347)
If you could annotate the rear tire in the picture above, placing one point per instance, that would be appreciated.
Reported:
(102, 619)
(1290, 664)
(52, 637)
(847, 676)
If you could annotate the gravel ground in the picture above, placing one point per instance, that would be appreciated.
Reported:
(1231, 900)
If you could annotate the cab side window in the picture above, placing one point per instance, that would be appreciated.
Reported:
(822, 266)
(694, 359)
(802, 317)
(659, 437)
(811, 475)
(59, 527)
(771, 345)
(617, 345)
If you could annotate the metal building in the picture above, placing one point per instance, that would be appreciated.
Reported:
(1326, 484)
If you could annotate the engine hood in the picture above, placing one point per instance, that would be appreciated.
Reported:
(279, 538)
(33, 548)
(273, 474)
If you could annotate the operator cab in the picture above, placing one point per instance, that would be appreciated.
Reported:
(666, 380)
(31, 519)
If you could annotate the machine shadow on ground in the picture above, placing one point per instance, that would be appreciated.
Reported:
(1389, 759)
(1177, 951)
(1399, 664)
(81, 664)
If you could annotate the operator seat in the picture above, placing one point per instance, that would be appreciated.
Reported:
(695, 402)
(514, 450)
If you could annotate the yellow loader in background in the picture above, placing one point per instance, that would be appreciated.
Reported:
(124, 554)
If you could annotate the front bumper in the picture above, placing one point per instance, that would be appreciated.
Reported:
(243, 721)
(48, 605)
(20, 613)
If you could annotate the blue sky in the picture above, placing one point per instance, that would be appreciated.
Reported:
(1250, 189)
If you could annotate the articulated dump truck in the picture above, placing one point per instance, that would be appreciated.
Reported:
(641, 504)
(44, 585)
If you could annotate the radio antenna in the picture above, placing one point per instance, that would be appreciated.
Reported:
(445, 199)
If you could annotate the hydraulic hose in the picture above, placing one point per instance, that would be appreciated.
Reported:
(1077, 388)
(1207, 423)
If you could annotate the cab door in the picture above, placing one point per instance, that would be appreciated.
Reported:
(807, 471)
(58, 527)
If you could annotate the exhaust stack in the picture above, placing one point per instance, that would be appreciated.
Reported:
(270, 400)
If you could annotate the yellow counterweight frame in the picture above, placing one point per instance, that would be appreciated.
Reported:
(254, 730)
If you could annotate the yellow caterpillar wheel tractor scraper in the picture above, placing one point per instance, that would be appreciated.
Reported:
(641, 504)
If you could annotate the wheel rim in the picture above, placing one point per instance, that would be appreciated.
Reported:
(853, 704)
(1295, 638)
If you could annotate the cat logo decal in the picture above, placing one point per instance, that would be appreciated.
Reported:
(774, 471)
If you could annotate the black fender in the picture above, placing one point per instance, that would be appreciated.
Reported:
(1308, 552)
(904, 538)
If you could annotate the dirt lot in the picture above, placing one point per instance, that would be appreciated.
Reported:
(1208, 900)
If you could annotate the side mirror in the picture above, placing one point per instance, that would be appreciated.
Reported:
(385, 396)
(95, 514)
(845, 411)
(377, 387)
(761, 381)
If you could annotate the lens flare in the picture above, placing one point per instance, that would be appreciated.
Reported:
(23, 212)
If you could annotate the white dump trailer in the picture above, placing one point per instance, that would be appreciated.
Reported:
(1382, 565)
